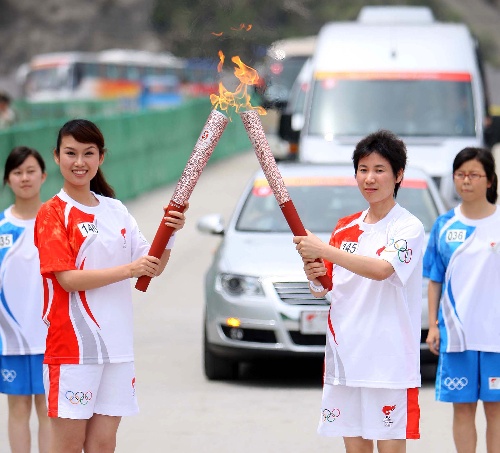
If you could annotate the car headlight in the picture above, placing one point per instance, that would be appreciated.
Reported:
(239, 285)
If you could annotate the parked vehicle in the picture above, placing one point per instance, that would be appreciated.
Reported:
(257, 298)
(109, 74)
(283, 62)
(159, 92)
(294, 109)
(395, 68)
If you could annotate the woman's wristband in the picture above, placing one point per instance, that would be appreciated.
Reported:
(316, 288)
(170, 242)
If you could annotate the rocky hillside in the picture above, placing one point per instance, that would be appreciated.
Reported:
(28, 27)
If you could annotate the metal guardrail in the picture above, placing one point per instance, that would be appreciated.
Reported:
(147, 149)
(35, 111)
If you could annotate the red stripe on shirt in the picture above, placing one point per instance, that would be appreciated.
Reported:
(330, 326)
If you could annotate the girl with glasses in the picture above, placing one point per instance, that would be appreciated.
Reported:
(462, 261)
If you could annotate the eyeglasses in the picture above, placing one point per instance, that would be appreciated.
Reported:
(471, 176)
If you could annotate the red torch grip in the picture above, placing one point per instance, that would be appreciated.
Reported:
(295, 224)
(159, 243)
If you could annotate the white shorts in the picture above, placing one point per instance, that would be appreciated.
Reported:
(370, 413)
(80, 391)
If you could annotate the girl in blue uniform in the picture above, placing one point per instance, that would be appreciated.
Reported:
(22, 331)
(462, 262)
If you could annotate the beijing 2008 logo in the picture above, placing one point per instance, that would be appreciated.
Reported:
(79, 397)
(205, 135)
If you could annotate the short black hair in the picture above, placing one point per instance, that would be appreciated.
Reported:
(388, 145)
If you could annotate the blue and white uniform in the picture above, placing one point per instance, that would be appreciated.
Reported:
(22, 330)
(464, 256)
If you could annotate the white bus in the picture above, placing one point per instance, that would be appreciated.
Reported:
(109, 74)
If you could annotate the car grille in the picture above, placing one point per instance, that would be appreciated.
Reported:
(307, 340)
(297, 293)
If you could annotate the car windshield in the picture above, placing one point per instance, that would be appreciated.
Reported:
(321, 206)
(281, 75)
(346, 107)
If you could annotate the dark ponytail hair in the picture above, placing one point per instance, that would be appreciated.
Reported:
(485, 157)
(85, 131)
(17, 157)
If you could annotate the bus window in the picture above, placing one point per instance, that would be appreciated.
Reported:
(84, 75)
(132, 73)
(113, 72)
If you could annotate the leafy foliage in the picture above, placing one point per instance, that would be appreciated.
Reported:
(188, 27)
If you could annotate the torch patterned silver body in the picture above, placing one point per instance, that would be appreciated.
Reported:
(209, 137)
(253, 125)
(255, 132)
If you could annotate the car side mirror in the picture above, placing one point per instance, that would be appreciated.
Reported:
(298, 121)
(492, 131)
(211, 224)
(285, 129)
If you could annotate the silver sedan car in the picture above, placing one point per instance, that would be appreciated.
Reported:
(258, 303)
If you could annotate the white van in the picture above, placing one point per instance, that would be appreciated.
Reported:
(395, 68)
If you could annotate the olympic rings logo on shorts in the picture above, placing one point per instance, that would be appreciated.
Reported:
(330, 415)
(456, 383)
(78, 397)
(8, 375)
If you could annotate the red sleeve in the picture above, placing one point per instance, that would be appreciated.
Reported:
(336, 241)
(328, 264)
(51, 239)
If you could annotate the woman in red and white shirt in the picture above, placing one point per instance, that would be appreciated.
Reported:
(89, 246)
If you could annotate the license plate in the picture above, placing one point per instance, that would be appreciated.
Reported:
(313, 322)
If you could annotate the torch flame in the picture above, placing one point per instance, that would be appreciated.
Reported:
(239, 98)
(221, 62)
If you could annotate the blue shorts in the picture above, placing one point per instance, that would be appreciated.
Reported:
(469, 376)
(21, 374)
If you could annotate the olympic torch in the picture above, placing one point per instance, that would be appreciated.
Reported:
(209, 137)
(255, 131)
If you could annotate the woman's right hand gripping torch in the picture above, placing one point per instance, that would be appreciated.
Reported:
(255, 132)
